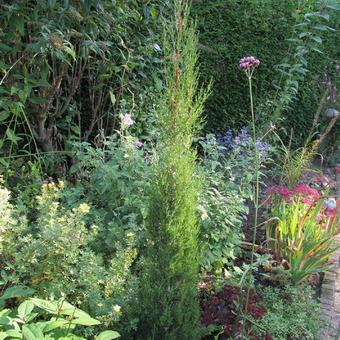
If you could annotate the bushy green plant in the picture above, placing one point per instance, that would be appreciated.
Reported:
(168, 301)
(227, 187)
(291, 313)
(58, 251)
(115, 179)
(303, 230)
(42, 319)
(69, 68)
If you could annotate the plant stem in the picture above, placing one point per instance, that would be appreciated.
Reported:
(256, 193)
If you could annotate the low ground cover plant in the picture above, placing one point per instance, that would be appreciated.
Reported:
(291, 313)
(221, 310)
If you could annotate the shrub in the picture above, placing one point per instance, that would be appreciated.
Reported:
(68, 69)
(119, 201)
(220, 309)
(227, 186)
(291, 313)
(50, 255)
(168, 297)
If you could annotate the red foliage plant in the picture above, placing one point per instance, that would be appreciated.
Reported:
(220, 309)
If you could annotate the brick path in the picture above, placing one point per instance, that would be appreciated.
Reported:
(330, 293)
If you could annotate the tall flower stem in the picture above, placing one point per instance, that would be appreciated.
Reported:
(256, 189)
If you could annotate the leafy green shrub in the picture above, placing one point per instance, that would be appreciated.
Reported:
(69, 68)
(58, 252)
(119, 201)
(225, 163)
(168, 300)
(291, 313)
(62, 319)
(222, 207)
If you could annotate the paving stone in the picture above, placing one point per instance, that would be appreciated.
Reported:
(337, 303)
(330, 293)
(327, 303)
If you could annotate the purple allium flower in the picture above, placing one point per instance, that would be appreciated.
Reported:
(127, 120)
(247, 63)
(138, 144)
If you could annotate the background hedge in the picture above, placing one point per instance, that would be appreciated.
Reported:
(230, 29)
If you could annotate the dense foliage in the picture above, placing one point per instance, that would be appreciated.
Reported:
(288, 37)
(291, 313)
(112, 204)
(69, 68)
(168, 298)
(61, 323)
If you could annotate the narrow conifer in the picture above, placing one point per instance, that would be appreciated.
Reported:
(169, 307)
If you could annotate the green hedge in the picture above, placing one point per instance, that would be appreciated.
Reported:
(230, 29)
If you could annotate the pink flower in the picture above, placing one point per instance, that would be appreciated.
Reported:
(308, 201)
(248, 62)
(283, 191)
(304, 189)
(138, 144)
(330, 213)
(320, 217)
(127, 120)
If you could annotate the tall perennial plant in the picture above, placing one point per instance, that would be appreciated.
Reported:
(303, 229)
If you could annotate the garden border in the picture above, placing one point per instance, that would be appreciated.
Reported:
(330, 291)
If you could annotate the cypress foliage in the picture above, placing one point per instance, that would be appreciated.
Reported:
(168, 302)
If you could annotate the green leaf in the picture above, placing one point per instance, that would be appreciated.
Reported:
(112, 97)
(32, 332)
(85, 321)
(45, 305)
(38, 100)
(25, 308)
(4, 316)
(17, 291)
(107, 335)
(154, 12)
(317, 50)
(14, 334)
(334, 6)
(5, 48)
(317, 39)
(68, 309)
(12, 136)
(70, 51)
(51, 325)
(4, 115)
(3, 335)
(17, 21)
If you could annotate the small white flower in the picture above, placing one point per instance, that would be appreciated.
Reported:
(127, 120)
(116, 308)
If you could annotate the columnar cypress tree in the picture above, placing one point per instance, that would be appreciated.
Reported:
(169, 306)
